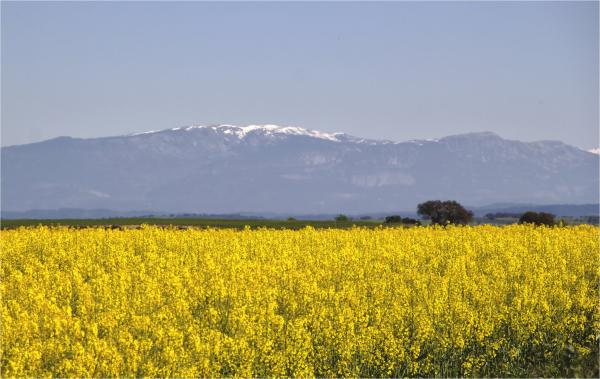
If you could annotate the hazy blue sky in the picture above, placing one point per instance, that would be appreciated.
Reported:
(381, 70)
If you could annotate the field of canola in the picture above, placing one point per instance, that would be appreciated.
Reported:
(472, 301)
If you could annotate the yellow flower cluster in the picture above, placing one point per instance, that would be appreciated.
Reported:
(424, 301)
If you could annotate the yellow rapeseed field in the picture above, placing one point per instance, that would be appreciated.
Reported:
(425, 301)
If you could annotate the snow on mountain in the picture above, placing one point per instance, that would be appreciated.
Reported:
(595, 151)
(268, 168)
(243, 131)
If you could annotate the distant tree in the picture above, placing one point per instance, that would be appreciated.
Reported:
(364, 218)
(444, 212)
(393, 219)
(490, 216)
(342, 218)
(291, 219)
(537, 218)
(410, 221)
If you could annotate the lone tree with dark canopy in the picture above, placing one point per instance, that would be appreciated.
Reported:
(342, 218)
(444, 212)
(395, 219)
(541, 218)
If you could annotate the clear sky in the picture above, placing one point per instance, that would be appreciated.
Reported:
(396, 71)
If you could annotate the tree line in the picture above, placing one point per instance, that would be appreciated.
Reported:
(452, 212)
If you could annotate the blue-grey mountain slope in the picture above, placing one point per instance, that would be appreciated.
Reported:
(219, 169)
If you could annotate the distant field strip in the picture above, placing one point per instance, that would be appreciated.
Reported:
(423, 301)
(189, 222)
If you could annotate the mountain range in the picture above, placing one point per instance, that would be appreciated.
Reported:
(267, 168)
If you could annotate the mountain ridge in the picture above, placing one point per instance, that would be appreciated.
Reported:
(225, 168)
(299, 131)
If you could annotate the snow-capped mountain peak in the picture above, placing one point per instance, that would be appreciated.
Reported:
(595, 151)
(266, 130)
